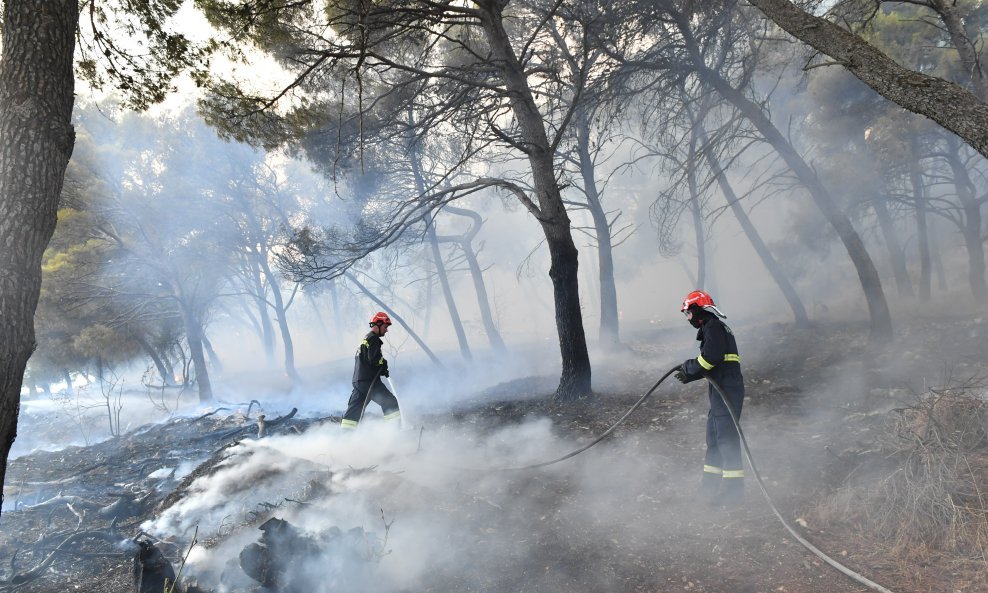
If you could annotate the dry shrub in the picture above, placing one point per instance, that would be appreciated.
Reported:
(927, 489)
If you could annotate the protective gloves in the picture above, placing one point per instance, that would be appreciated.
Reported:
(681, 376)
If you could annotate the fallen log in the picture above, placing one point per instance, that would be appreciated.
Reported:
(60, 500)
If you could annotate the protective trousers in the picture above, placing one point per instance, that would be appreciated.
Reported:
(723, 442)
(376, 392)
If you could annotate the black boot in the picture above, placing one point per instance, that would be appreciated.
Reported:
(731, 492)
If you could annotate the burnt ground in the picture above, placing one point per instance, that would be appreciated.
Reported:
(818, 403)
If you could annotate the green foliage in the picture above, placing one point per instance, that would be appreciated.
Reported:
(883, 137)
(916, 37)
(136, 48)
(107, 343)
(68, 325)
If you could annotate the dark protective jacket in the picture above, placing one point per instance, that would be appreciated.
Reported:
(718, 352)
(368, 362)
(719, 361)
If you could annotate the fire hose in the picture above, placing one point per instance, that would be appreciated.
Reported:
(747, 453)
(761, 486)
(751, 462)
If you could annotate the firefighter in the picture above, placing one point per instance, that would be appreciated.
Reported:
(369, 366)
(723, 475)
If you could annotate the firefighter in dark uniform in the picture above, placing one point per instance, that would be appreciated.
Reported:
(368, 367)
(723, 475)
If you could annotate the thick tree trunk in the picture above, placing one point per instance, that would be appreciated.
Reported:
(949, 104)
(563, 271)
(871, 284)
(477, 274)
(36, 140)
(610, 334)
(575, 379)
(770, 263)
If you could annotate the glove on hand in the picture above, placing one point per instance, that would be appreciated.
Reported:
(680, 376)
(385, 372)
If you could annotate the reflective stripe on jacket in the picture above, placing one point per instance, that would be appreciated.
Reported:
(368, 362)
(718, 350)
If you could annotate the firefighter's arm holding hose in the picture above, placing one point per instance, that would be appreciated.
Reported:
(713, 347)
(375, 359)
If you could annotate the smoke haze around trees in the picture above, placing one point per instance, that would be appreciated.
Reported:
(539, 178)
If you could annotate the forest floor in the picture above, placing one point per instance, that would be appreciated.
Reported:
(433, 513)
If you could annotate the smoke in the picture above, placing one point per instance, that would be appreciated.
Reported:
(446, 511)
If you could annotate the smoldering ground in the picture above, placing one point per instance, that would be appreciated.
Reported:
(433, 507)
(620, 516)
(437, 513)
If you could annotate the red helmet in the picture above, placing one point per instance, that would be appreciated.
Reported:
(703, 301)
(380, 318)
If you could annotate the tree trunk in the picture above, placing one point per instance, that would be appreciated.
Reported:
(36, 140)
(337, 317)
(609, 324)
(476, 273)
(437, 256)
(193, 335)
(67, 377)
(953, 21)
(214, 358)
(696, 213)
(881, 319)
(563, 271)
(166, 378)
(264, 318)
(897, 256)
(281, 314)
(922, 232)
(971, 229)
(258, 255)
(454, 313)
(774, 269)
(949, 104)
(169, 365)
(938, 264)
